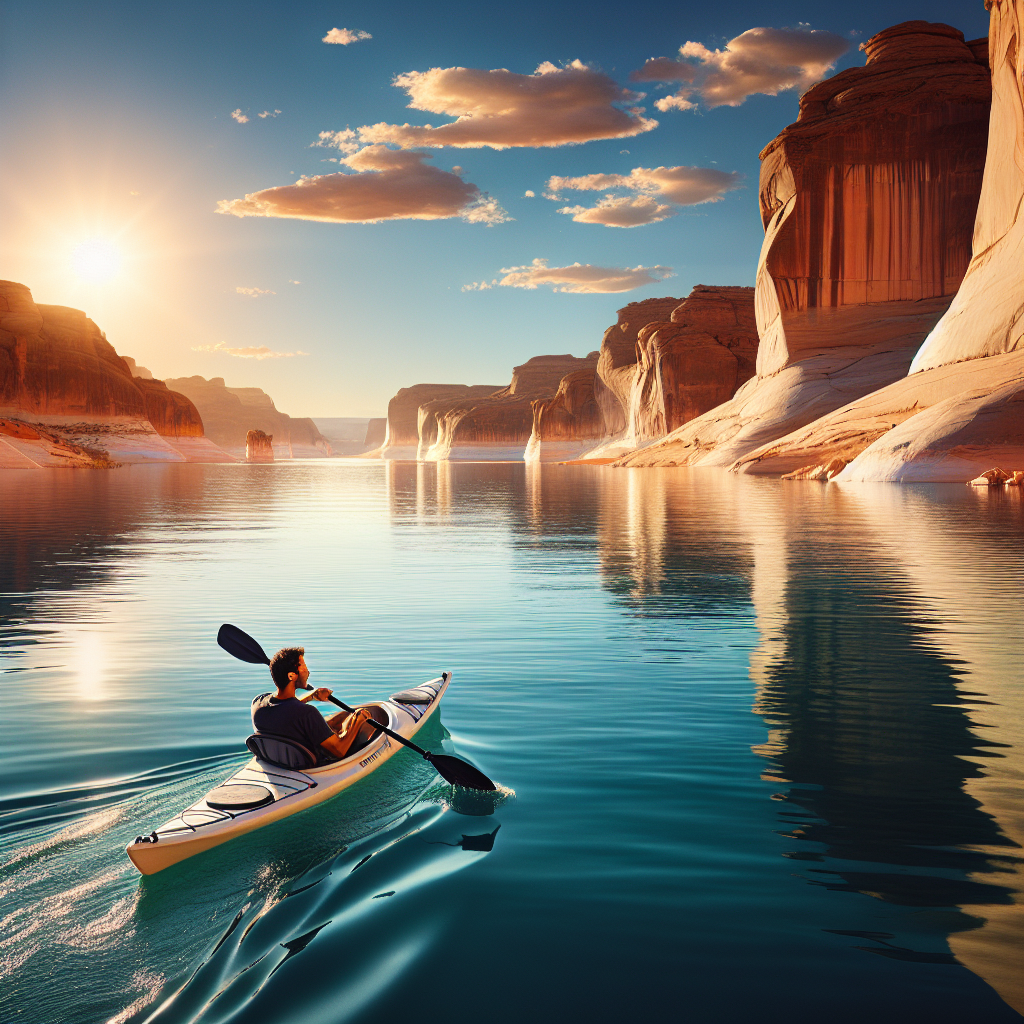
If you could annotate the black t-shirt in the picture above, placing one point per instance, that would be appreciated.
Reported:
(294, 720)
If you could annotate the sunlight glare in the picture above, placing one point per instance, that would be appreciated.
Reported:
(96, 260)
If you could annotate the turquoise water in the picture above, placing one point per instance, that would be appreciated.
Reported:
(764, 740)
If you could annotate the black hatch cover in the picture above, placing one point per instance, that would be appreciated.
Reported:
(421, 695)
(239, 797)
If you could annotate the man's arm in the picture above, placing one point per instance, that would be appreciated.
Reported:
(341, 743)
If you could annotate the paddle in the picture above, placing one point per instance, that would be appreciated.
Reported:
(451, 769)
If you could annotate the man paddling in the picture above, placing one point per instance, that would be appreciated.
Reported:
(284, 714)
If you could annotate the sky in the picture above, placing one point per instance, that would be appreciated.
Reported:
(251, 191)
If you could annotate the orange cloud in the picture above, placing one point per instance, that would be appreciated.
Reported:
(579, 278)
(239, 116)
(678, 186)
(760, 60)
(345, 36)
(247, 352)
(254, 293)
(552, 107)
(387, 185)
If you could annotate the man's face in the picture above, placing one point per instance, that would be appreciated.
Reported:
(302, 675)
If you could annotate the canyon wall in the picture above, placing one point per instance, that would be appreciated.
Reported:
(230, 413)
(59, 372)
(960, 411)
(568, 424)
(498, 426)
(868, 203)
(402, 434)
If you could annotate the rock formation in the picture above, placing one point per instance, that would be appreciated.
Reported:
(402, 437)
(568, 424)
(230, 413)
(693, 362)
(616, 367)
(259, 447)
(868, 201)
(58, 370)
(496, 427)
(960, 410)
(376, 432)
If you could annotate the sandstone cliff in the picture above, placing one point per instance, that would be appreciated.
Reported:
(230, 413)
(58, 370)
(616, 366)
(868, 202)
(570, 423)
(959, 411)
(402, 435)
(497, 426)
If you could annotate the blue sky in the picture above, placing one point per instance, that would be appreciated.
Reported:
(119, 128)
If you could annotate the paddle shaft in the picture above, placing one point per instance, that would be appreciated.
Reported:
(383, 728)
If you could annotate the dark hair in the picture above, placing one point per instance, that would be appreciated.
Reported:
(286, 660)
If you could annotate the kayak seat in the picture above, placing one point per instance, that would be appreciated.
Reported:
(280, 751)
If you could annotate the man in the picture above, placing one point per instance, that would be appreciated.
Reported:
(283, 714)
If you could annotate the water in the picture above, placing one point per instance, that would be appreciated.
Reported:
(764, 739)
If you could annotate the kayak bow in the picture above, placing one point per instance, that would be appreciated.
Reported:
(259, 793)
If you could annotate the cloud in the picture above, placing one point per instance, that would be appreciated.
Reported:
(269, 113)
(239, 116)
(529, 194)
(552, 107)
(658, 192)
(248, 352)
(580, 278)
(294, 282)
(621, 212)
(387, 185)
(760, 60)
(254, 293)
(344, 36)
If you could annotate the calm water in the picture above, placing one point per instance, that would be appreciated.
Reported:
(765, 743)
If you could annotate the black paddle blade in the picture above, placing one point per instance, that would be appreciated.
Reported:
(241, 645)
(460, 773)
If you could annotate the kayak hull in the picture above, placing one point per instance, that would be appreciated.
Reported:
(201, 827)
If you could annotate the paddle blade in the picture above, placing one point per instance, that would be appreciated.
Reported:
(460, 773)
(240, 645)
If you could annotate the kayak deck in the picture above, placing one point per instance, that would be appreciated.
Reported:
(201, 826)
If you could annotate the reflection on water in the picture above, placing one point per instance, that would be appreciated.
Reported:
(611, 632)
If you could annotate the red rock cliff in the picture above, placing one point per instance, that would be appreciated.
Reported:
(871, 195)
(498, 425)
(403, 424)
(693, 362)
(56, 366)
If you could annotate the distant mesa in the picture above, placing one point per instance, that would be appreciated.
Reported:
(376, 431)
(402, 436)
(62, 379)
(230, 413)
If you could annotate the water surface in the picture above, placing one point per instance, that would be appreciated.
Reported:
(764, 738)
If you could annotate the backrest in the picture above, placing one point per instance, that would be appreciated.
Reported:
(280, 751)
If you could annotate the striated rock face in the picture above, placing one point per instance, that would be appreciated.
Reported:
(868, 202)
(58, 370)
(498, 426)
(259, 447)
(56, 365)
(402, 436)
(693, 362)
(987, 316)
(230, 413)
(616, 366)
(959, 411)
(871, 195)
(568, 424)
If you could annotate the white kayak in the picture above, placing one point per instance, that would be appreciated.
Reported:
(260, 793)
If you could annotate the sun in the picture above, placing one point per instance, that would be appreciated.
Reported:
(96, 260)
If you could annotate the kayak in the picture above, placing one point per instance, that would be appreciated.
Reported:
(260, 793)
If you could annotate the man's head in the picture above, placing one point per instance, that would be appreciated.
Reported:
(288, 666)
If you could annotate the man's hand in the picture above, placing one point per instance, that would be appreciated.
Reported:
(321, 694)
